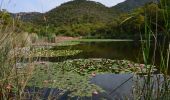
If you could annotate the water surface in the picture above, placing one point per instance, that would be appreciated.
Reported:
(128, 50)
(117, 50)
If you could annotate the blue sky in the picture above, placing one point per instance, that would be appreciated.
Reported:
(41, 5)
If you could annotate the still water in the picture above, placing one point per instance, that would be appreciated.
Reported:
(128, 50)
(109, 50)
(120, 50)
(116, 87)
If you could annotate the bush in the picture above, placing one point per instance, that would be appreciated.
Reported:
(33, 37)
(22, 39)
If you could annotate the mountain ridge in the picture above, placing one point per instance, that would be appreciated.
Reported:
(129, 5)
(83, 17)
(101, 12)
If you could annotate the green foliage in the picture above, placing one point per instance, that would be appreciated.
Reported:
(76, 12)
(34, 37)
(129, 5)
(74, 18)
(87, 66)
(15, 25)
(5, 18)
(99, 40)
(68, 43)
(51, 75)
(74, 75)
(52, 53)
(93, 20)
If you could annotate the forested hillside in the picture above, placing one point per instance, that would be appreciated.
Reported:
(129, 5)
(74, 18)
(94, 20)
(79, 11)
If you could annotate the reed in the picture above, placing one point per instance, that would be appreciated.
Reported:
(154, 88)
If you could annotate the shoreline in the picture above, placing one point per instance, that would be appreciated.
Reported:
(61, 39)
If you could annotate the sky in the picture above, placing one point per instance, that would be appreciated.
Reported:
(16, 6)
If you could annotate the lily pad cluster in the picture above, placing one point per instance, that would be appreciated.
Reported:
(52, 76)
(54, 53)
(74, 75)
(84, 66)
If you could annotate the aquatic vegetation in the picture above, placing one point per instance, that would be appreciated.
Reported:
(54, 53)
(41, 52)
(68, 43)
(84, 66)
(74, 75)
(51, 76)
(101, 40)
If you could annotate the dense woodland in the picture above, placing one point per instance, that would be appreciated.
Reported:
(93, 20)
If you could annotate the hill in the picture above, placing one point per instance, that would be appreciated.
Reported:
(82, 11)
(91, 19)
(129, 5)
(79, 11)
(73, 17)
(26, 16)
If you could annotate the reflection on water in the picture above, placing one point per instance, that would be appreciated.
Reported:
(121, 86)
(111, 50)
(128, 50)
(116, 86)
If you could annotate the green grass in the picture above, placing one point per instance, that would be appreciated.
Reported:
(68, 43)
(101, 40)
(76, 42)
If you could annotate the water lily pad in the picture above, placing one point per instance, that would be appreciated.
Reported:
(54, 53)
(82, 66)
(55, 77)
(74, 75)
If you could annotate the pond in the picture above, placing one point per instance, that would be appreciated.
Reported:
(111, 50)
(116, 86)
(118, 50)
(106, 64)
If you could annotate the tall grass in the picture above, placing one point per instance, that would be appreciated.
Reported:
(12, 80)
(155, 87)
